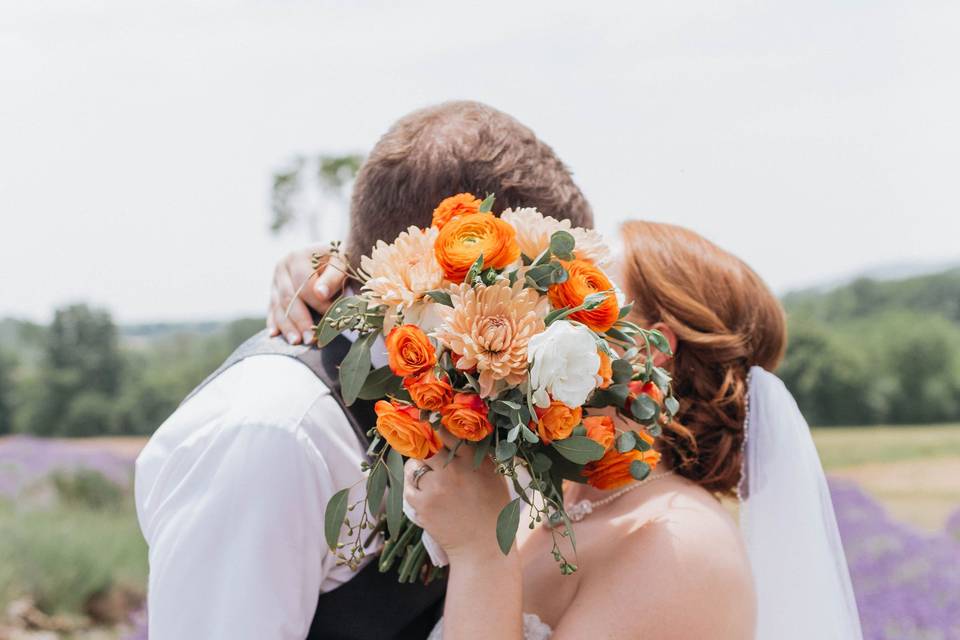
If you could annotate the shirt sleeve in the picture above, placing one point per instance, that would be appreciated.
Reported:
(236, 537)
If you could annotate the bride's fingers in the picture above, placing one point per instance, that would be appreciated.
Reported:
(283, 299)
(330, 281)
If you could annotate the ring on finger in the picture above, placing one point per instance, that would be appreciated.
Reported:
(418, 473)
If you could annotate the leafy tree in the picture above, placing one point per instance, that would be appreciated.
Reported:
(309, 187)
(7, 365)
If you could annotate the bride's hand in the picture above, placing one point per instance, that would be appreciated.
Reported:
(458, 504)
(318, 293)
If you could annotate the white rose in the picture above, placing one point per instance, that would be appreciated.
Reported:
(564, 364)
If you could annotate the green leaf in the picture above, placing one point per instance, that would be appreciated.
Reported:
(441, 296)
(642, 445)
(660, 378)
(395, 496)
(639, 469)
(578, 449)
(489, 276)
(660, 341)
(619, 394)
(376, 485)
(481, 450)
(529, 435)
(644, 409)
(475, 270)
(625, 311)
(341, 308)
(562, 244)
(654, 429)
(616, 334)
(671, 405)
(378, 384)
(622, 371)
(540, 463)
(356, 367)
(507, 523)
(487, 204)
(626, 441)
(334, 516)
(505, 451)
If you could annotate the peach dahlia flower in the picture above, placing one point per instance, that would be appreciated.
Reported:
(399, 274)
(534, 230)
(489, 327)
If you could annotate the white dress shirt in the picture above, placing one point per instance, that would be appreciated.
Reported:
(231, 492)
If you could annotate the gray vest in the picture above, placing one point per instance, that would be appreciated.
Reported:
(372, 605)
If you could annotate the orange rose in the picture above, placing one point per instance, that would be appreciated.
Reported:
(586, 278)
(428, 391)
(466, 417)
(613, 469)
(409, 351)
(606, 369)
(458, 205)
(600, 430)
(401, 426)
(557, 421)
(465, 238)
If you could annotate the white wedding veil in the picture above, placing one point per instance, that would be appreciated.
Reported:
(786, 515)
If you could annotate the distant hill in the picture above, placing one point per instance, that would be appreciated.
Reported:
(937, 294)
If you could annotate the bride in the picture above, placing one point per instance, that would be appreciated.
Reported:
(662, 558)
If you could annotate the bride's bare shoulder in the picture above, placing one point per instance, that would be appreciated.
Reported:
(687, 549)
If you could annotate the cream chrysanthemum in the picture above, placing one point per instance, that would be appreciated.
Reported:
(534, 230)
(399, 274)
(488, 328)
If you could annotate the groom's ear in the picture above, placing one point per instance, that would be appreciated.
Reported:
(660, 358)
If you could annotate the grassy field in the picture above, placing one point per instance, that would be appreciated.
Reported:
(913, 471)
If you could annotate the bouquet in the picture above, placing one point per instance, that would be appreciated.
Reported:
(506, 332)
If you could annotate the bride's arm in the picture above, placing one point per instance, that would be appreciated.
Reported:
(296, 289)
(459, 506)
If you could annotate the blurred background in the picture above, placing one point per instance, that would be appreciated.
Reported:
(156, 159)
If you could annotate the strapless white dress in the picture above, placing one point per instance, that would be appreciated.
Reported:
(533, 629)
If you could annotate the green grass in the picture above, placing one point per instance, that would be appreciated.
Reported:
(62, 555)
(841, 447)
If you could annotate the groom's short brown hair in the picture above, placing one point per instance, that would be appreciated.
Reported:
(452, 148)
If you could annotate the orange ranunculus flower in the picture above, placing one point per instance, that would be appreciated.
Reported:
(409, 351)
(428, 391)
(600, 429)
(458, 205)
(586, 278)
(466, 417)
(465, 238)
(557, 421)
(613, 469)
(606, 369)
(401, 426)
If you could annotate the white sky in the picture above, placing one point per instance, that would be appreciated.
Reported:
(136, 140)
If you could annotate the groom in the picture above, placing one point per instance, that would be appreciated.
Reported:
(231, 489)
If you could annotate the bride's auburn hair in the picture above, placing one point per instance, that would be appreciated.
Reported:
(726, 320)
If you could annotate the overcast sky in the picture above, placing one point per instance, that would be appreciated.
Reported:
(814, 139)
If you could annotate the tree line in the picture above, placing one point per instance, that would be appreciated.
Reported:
(871, 352)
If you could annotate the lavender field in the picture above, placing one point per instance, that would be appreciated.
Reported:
(73, 565)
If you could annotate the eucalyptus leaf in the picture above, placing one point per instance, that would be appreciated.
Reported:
(622, 371)
(505, 451)
(481, 450)
(475, 270)
(643, 408)
(342, 307)
(376, 486)
(616, 334)
(333, 517)
(562, 244)
(441, 296)
(540, 463)
(507, 523)
(395, 495)
(626, 441)
(660, 341)
(671, 405)
(529, 435)
(639, 469)
(625, 311)
(487, 204)
(378, 384)
(578, 449)
(356, 367)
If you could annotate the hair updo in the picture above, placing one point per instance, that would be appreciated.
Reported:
(725, 319)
